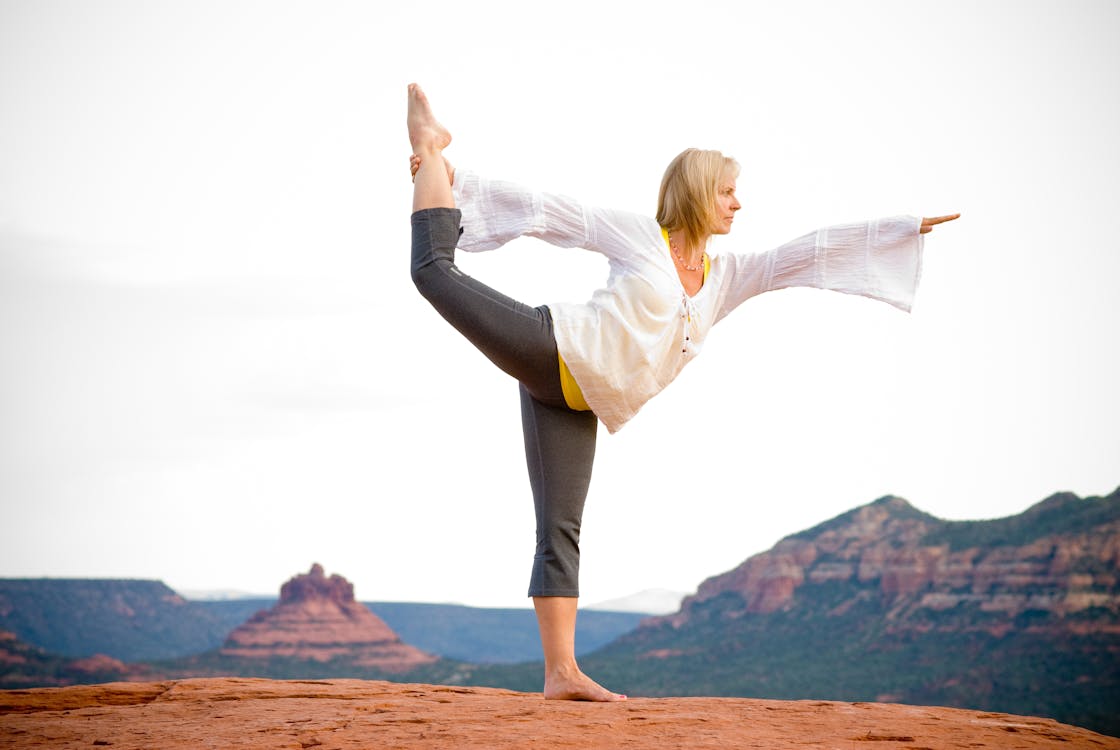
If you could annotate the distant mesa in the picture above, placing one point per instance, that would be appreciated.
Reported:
(317, 619)
(1059, 557)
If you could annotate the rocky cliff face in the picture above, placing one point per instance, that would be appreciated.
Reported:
(1059, 558)
(890, 604)
(318, 619)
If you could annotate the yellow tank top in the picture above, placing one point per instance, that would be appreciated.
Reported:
(573, 396)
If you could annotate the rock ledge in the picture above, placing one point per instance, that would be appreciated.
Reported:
(328, 714)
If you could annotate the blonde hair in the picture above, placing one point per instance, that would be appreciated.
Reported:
(687, 199)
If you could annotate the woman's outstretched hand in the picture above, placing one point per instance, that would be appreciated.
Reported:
(929, 223)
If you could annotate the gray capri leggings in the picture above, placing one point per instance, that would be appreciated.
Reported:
(559, 442)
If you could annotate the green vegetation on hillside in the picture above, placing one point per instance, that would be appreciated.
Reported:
(131, 620)
(1063, 513)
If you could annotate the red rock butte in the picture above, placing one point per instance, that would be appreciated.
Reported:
(318, 619)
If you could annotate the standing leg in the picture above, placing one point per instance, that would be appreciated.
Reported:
(559, 451)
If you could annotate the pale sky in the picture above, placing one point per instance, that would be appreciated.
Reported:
(216, 370)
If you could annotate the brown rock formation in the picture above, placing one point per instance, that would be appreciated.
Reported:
(318, 619)
(265, 714)
(99, 663)
(880, 547)
(8, 653)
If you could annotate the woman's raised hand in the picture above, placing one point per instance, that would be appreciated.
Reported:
(414, 165)
(929, 223)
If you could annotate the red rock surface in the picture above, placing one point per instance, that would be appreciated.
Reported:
(317, 618)
(337, 714)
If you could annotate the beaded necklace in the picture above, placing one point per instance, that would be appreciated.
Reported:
(677, 254)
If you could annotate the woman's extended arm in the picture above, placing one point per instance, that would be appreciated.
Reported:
(880, 259)
(496, 211)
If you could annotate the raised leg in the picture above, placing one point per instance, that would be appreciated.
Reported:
(515, 337)
(428, 138)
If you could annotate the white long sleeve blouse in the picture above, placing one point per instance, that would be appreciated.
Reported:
(636, 334)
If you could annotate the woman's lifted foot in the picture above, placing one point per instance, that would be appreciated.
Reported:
(425, 133)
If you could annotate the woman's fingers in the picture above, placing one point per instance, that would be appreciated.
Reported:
(929, 222)
(940, 219)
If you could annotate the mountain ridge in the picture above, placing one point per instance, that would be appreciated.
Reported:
(907, 551)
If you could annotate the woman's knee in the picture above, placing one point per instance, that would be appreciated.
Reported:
(558, 535)
(425, 275)
(435, 233)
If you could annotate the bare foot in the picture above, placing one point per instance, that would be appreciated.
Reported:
(565, 685)
(424, 132)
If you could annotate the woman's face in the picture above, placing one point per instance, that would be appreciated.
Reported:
(726, 204)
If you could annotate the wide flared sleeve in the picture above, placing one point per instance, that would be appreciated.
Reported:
(879, 259)
(496, 212)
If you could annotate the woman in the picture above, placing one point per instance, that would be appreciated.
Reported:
(579, 364)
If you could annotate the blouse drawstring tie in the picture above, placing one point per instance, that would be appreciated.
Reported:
(688, 312)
